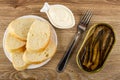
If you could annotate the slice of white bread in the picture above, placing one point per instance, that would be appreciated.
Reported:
(38, 57)
(17, 60)
(13, 43)
(20, 27)
(38, 36)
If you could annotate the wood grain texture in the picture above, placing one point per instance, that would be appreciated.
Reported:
(107, 11)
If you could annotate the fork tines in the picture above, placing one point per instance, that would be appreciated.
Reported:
(86, 18)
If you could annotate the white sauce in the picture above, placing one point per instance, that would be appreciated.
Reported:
(59, 15)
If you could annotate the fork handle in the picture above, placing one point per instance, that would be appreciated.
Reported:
(64, 60)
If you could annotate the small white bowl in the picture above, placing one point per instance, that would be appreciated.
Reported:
(32, 66)
(46, 9)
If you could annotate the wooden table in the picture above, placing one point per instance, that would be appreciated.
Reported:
(107, 11)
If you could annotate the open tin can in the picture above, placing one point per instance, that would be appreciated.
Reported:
(95, 47)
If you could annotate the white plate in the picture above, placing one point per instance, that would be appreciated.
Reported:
(32, 66)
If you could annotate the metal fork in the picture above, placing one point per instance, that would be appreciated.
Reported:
(80, 29)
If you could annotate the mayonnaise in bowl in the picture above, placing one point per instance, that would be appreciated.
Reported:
(59, 15)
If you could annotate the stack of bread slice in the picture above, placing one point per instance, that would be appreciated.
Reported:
(29, 41)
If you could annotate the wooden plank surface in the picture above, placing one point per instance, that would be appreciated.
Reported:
(107, 11)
